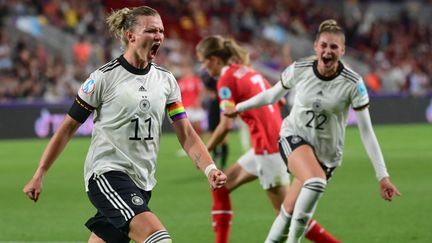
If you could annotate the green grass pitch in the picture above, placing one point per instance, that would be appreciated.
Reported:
(351, 208)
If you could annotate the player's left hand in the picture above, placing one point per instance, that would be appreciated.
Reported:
(388, 190)
(217, 179)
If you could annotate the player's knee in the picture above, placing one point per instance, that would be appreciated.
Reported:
(160, 236)
(316, 184)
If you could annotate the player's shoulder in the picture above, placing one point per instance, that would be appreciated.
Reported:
(161, 69)
(349, 74)
(305, 62)
(109, 66)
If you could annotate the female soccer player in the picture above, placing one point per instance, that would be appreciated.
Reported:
(312, 136)
(237, 82)
(129, 96)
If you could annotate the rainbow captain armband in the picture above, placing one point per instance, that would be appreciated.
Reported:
(225, 103)
(176, 111)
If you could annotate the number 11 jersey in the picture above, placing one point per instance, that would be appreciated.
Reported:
(130, 105)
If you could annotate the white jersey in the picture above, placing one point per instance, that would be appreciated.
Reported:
(129, 107)
(321, 105)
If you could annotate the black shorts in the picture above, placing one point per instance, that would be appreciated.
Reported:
(288, 144)
(117, 200)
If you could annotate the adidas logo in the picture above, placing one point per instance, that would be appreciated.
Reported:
(142, 89)
(320, 93)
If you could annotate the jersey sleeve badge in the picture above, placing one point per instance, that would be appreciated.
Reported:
(361, 89)
(225, 93)
(88, 86)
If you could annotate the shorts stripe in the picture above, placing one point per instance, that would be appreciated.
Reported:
(114, 198)
(285, 146)
(157, 236)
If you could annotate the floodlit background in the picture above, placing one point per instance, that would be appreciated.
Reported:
(49, 47)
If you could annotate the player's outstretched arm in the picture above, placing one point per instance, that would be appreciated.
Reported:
(266, 97)
(55, 146)
(197, 151)
(370, 142)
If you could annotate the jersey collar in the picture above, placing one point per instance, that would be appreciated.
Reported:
(315, 69)
(132, 69)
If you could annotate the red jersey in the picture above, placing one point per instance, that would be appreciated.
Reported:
(239, 83)
(190, 88)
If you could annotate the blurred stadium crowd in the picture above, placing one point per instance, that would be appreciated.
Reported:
(49, 47)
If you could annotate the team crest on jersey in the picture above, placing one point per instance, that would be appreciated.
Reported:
(144, 105)
(136, 200)
(224, 93)
(317, 106)
(295, 139)
(88, 86)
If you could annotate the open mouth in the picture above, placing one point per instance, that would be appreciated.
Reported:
(154, 49)
(327, 60)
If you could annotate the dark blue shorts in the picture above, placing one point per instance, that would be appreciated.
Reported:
(288, 144)
(117, 200)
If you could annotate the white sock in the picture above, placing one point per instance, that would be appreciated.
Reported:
(305, 207)
(160, 236)
(279, 229)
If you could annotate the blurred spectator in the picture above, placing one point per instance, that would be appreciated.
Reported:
(191, 90)
(82, 50)
(396, 47)
(418, 82)
(372, 81)
(5, 51)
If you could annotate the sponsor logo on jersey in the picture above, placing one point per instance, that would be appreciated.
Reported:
(136, 200)
(144, 105)
(88, 86)
(361, 89)
(224, 93)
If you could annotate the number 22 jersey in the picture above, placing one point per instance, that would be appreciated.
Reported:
(321, 106)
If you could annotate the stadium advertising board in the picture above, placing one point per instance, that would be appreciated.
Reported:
(39, 119)
(36, 119)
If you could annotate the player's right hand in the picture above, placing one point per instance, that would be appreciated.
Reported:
(33, 189)
(217, 179)
(230, 112)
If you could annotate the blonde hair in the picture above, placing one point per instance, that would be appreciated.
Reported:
(226, 49)
(125, 19)
(330, 26)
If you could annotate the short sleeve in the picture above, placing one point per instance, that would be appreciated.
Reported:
(287, 77)
(359, 96)
(91, 90)
(174, 94)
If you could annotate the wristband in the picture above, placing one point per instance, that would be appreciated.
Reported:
(209, 168)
